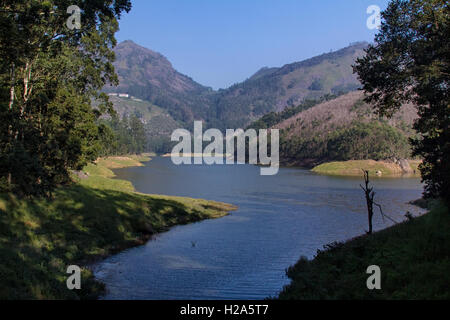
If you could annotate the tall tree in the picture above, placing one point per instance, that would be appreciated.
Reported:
(409, 62)
(138, 134)
(49, 74)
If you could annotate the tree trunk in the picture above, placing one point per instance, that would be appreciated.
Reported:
(370, 194)
(13, 82)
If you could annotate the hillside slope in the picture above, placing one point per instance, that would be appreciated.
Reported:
(273, 89)
(342, 129)
(157, 121)
(340, 112)
(148, 75)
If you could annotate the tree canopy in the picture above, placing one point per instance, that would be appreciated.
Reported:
(49, 75)
(409, 62)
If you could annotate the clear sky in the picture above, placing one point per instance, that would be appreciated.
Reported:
(222, 42)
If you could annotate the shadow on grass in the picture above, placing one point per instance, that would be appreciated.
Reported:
(39, 238)
(414, 258)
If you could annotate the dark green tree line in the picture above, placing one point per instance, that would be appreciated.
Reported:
(359, 141)
(362, 141)
(123, 136)
(49, 75)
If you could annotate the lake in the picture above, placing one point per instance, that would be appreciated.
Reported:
(244, 255)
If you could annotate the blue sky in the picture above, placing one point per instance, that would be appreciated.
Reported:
(222, 42)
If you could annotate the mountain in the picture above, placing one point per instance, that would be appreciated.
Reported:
(157, 121)
(148, 75)
(313, 102)
(273, 89)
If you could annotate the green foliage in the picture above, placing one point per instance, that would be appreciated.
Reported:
(409, 62)
(299, 148)
(359, 141)
(126, 136)
(158, 126)
(48, 77)
(363, 141)
(160, 144)
(316, 85)
(414, 258)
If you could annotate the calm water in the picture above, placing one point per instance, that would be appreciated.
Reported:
(244, 255)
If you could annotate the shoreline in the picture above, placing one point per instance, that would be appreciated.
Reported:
(121, 162)
(403, 252)
(85, 222)
(347, 241)
(353, 168)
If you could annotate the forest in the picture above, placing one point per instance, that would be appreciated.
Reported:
(360, 141)
(49, 76)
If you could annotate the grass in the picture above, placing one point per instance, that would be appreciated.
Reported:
(414, 258)
(122, 162)
(353, 168)
(91, 219)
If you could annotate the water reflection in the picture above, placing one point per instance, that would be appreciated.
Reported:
(244, 255)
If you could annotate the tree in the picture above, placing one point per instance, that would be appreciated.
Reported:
(370, 194)
(138, 134)
(122, 136)
(409, 62)
(49, 75)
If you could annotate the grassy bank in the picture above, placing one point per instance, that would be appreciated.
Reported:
(94, 218)
(353, 168)
(414, 258)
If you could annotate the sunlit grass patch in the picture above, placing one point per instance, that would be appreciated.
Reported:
(98, 216)
(355, 167)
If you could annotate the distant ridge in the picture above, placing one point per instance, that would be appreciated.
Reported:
(149, 76)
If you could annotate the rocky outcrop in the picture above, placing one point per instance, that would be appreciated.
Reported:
(81, 174)
(404, 166)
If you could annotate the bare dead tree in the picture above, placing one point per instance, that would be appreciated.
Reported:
(370, 194)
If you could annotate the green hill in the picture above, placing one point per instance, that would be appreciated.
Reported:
(341, 129)
(149, 76)
(276, 88)
(157, 121)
